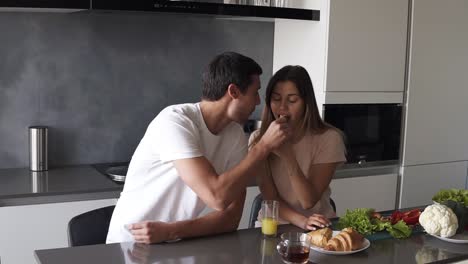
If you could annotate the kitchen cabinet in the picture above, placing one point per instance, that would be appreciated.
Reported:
(357, 46)
(435, 147)
(420, 183)
(26, 228)
(436, 128)
(252, 192)
(376, 191)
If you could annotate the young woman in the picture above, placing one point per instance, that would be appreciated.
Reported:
(299, 172)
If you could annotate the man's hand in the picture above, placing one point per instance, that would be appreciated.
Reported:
(277, 133)
(148, 232)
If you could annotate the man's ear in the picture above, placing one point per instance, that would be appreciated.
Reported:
(233, 91)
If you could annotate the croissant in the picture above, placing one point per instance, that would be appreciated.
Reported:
(346, 240)
(320, 237)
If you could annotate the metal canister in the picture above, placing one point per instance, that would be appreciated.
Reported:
(38, 148)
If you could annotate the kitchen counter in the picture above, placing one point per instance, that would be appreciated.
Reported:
(86, 182)
(67, 184)
(248, 246)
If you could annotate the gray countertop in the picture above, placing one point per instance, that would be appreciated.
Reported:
(248, 246)
(85, 182)
(75, 183)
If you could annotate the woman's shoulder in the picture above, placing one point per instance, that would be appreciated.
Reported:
(330, 134)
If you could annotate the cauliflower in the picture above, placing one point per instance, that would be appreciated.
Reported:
(439, 220)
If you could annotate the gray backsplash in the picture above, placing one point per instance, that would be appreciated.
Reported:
(97, 80)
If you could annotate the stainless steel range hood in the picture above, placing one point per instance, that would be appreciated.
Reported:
(256, 9)
(232, 8)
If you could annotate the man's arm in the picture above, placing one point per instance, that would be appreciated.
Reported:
(213, 223)
(218, 191)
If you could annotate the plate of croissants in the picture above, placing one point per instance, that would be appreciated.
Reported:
(344, 242)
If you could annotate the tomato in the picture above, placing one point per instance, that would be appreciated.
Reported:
(411, 217)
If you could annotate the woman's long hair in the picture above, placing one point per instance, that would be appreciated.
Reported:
(311, 120)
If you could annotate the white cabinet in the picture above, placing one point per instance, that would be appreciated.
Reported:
(357, 46)
(376, 191)
(251, 193)
(436, 128)
(24, 229)
(420, 183)
(367, 45)
(435, 147)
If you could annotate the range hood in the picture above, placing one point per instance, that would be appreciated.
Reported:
(248, 9)
(235, 8)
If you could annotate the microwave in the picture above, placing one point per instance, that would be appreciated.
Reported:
(371, 131)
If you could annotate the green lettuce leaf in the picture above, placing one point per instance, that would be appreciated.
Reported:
(379, 225)
(399, 230)
(456, 195)
(358, 219)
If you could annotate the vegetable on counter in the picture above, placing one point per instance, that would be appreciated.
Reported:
(366, 222)
(439, 220)
(461, 211)
(457, 195)
(410, 217)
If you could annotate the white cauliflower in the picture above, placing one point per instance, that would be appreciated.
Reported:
(439, 220)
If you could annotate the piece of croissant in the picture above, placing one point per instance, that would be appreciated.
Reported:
(320, 237)
(346, 240)
(357, 240)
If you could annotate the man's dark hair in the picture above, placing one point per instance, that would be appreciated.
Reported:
(227, 68)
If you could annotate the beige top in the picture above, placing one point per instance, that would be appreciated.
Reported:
(311, 149)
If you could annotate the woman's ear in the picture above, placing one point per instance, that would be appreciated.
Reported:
(233, 91)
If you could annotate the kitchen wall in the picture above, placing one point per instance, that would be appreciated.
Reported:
(98, 79)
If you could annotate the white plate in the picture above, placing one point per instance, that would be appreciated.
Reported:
(365, 245)
(458, 238)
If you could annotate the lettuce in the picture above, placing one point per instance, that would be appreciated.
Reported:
(456, 195)
(399, 230)
(358, 219)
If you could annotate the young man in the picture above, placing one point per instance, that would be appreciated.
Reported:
(193, 156)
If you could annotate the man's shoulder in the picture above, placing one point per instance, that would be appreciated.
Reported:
(182, 112)
(181, 109)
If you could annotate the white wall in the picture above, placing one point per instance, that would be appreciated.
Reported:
(303, 43)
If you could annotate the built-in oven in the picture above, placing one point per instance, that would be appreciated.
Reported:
(371, 131)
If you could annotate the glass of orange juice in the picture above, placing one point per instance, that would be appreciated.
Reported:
(270, 218)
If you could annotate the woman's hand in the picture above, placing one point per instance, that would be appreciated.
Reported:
(316, 221)
(149, 232)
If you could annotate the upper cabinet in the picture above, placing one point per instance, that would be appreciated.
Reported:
(357, 46)
(367, 45)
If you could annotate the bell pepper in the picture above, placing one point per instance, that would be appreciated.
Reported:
(411, 217)
(395, 217)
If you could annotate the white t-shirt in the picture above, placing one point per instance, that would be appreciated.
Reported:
(153, 190)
